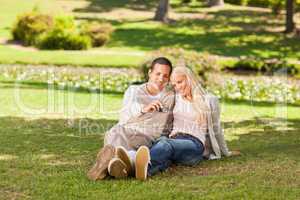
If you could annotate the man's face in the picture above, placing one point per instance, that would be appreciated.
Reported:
(159, 76)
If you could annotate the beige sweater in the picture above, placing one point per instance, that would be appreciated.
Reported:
(134, 128)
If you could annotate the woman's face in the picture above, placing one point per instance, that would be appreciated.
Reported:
(180, 83)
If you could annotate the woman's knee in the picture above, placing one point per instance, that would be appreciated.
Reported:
(161, 147)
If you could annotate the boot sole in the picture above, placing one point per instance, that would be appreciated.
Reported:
(123, 155)
(141, 163)
(117, 168)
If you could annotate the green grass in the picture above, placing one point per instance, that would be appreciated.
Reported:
(231, 31)
(47, 155)
(100, 58)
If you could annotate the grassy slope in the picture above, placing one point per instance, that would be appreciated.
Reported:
(46, 156)
(230, 32)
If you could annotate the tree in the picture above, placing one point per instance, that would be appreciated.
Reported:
(162, 11)
(215, 3)
(289, 20)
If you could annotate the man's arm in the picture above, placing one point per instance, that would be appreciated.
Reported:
(131, 107)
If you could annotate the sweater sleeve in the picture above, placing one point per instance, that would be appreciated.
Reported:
(131, 107)
(216, 113)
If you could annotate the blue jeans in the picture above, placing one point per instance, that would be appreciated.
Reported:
(183, 149)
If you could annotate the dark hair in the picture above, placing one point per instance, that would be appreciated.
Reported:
(162, 61)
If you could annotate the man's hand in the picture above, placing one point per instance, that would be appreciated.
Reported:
(153, 106)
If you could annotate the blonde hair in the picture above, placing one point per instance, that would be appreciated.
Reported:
(199, 101)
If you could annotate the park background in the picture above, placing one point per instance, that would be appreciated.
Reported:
(65, 64)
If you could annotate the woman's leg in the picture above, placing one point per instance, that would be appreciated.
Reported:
(181, 150)
(160, 155)
(187, 150)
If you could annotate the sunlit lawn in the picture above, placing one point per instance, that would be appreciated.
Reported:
(46, 155)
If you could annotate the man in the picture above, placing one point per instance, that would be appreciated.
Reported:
(145, 116)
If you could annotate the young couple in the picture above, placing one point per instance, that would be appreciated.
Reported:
(159, 126)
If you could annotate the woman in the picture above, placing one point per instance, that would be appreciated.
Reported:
(196, 133)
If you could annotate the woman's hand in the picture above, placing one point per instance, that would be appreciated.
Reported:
(172, 135)
(153, 106)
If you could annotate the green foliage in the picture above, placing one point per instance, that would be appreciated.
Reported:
(65, 22)
(263, 65)
(98, 32)
(64, 39)
(199, 63)
(64, 35)
(30, 26)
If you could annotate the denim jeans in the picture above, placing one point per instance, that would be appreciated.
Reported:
(183, 149)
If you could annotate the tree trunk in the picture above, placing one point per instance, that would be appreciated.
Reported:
(162, 11)
(212, 3)
(289, 20)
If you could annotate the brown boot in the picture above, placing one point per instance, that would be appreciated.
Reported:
(141, 163)
(121, 153)
(99, 170)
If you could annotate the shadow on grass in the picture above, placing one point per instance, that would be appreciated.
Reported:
(212, 42)
(273, 139)
(53, 158)
(267, 138)
(21, 136)
(226, 32)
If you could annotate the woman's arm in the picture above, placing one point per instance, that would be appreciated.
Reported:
(216, 115)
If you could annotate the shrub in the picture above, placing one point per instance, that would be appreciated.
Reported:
(263, 65)
(98, 32)
(29, 27)
(199, 63)
(60, 38)
(64, 35)
(64, 22)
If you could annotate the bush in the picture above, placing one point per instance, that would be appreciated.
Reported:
(64, 35)
(59, 38)
(29, 27)
(59, 33)
(64, 22)
(98, 32)
(199, 63)
(263, 65)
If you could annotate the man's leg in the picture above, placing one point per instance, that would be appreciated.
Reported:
(99, 169)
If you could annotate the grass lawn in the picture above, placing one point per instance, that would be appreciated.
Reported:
(46, 155)
(232, 31)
